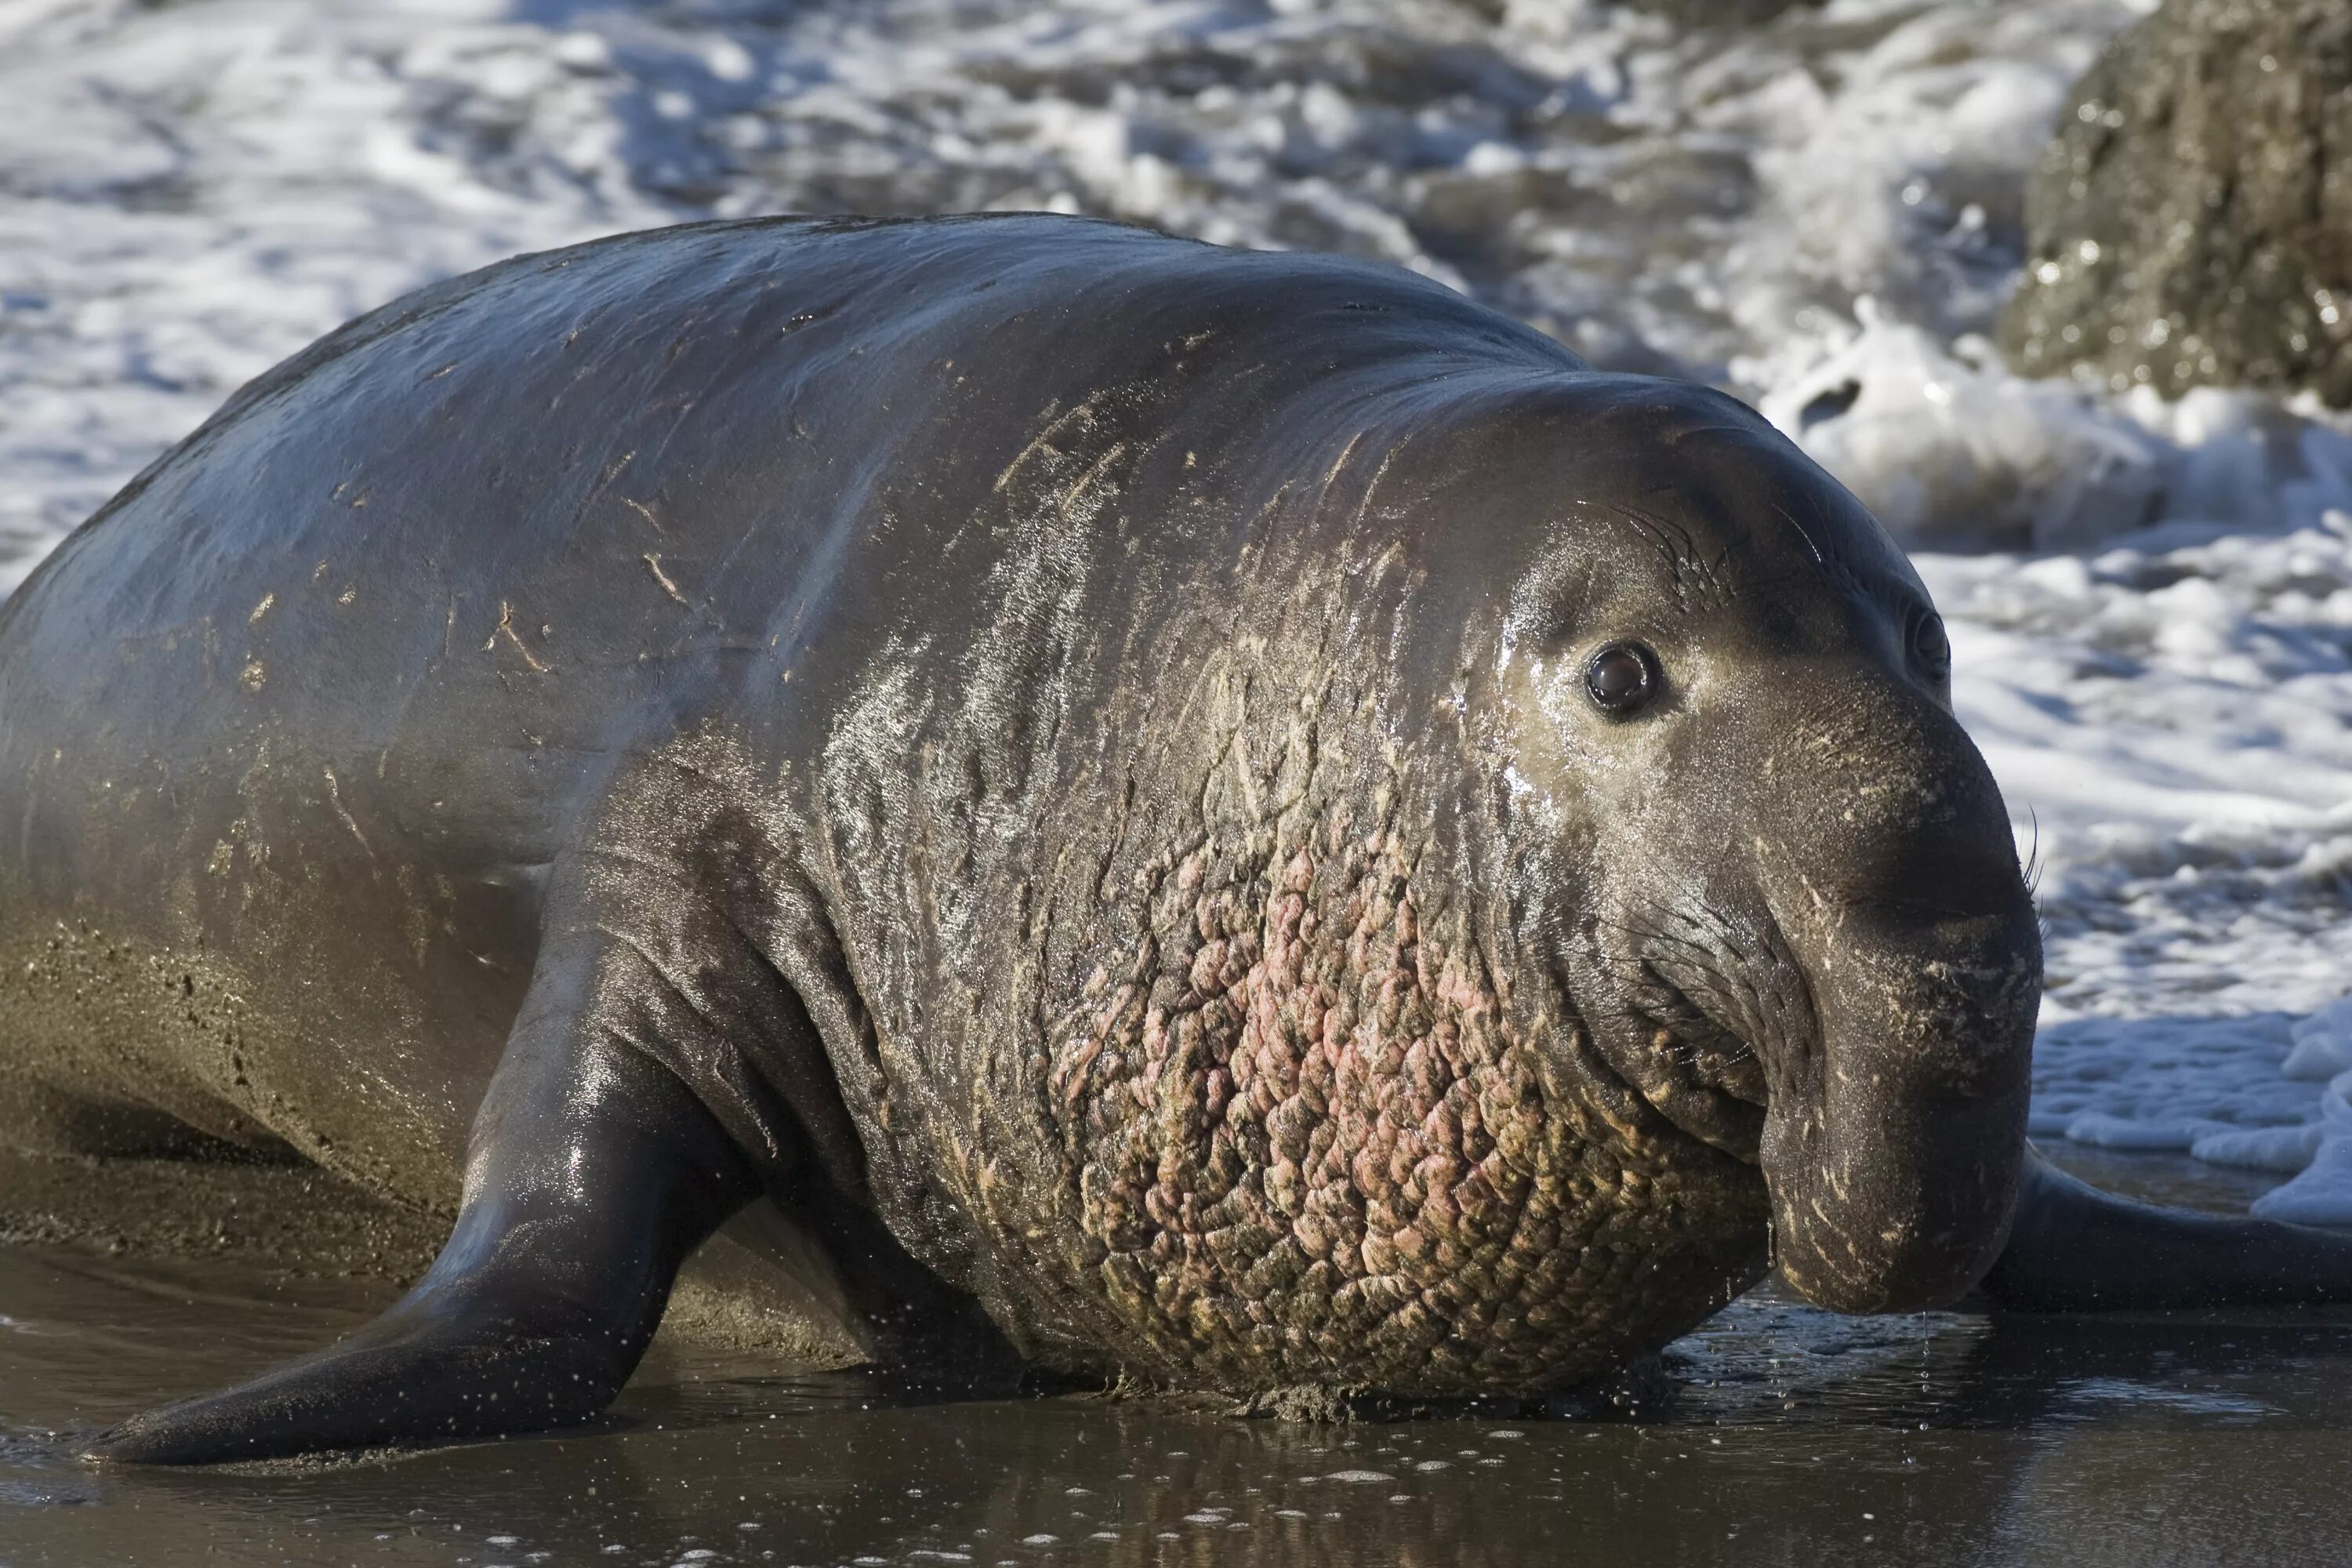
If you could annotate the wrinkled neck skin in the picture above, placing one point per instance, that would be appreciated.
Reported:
(1327, 1116)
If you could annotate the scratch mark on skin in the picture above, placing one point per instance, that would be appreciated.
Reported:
(262, 608)
(653, 565)
(335, 796)
(1084, 411)
(1818, 557)
(506, 629)
(1677, 436)
(1364, 505)
(1345, 453)
(1086, 480)
(1239, 751)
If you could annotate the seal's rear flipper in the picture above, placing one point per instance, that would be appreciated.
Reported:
(594, 1172)
(2076, 1249)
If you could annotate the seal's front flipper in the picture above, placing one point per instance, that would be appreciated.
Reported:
(2076, 1249)
(595, 1171)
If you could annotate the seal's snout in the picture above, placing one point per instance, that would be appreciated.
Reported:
(1894, 1161)
(1893, 1145)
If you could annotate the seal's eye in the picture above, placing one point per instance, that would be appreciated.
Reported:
(1621, 678)
(1929, 645)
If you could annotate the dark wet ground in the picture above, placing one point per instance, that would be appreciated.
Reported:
(1778, 1434)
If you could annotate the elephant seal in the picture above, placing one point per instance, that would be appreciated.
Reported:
(1248, 817)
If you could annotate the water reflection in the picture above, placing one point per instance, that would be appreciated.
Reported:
(1783, 1433)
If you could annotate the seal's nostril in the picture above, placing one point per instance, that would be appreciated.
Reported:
(1621, 678)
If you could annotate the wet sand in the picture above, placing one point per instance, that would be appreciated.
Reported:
(1778, 1433)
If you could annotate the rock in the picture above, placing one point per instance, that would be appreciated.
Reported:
(2191, 222)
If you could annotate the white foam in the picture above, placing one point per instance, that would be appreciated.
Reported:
(2322, 1194)
(2322, 1044)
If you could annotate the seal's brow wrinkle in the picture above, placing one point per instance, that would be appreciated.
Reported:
(1698, 580)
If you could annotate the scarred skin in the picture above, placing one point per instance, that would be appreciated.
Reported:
(1059, 759)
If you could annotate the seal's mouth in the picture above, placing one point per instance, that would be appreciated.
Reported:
(1723, 999)
(1706, 1079)
(1700, 1003)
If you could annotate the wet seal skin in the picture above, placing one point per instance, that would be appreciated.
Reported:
(1214, 820)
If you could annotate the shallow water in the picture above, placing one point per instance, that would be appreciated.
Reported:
(1782, 1433)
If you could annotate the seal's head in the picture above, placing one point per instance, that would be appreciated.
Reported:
(1774, 876)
